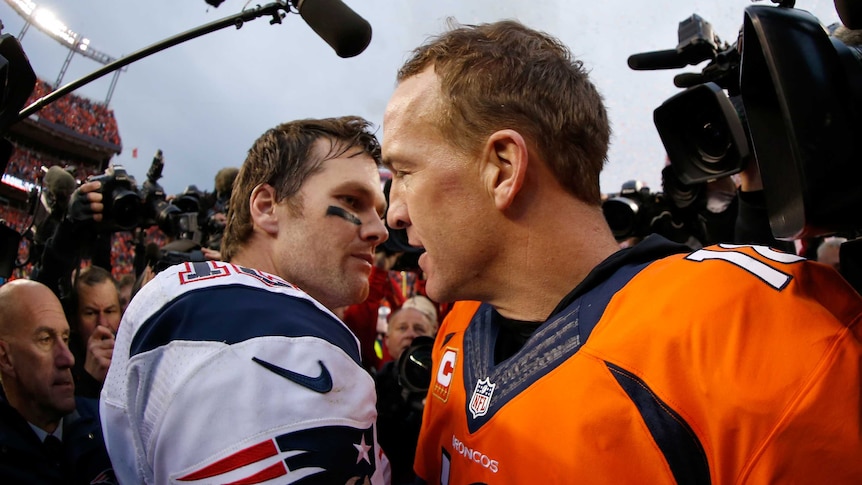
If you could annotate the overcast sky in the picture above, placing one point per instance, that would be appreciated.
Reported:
(205, 101)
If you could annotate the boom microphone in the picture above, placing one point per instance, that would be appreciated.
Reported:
(342, 28)
(59, 186)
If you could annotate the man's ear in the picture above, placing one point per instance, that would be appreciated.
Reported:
(506, 159)
(262, 205)
(6, 366)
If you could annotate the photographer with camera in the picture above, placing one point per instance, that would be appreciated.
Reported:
(216, 215)
(69, 239)
(231, 362)
(613, 366)
(400, 405)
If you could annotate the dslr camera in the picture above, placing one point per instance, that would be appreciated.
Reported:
(413, 367)
(632, 211)
(122, 203)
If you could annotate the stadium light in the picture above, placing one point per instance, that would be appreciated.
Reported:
(26, 6)
(54, 26)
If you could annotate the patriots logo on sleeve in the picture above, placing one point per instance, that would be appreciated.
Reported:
(325, 455)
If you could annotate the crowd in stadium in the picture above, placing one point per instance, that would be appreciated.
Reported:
(81, 114)
(26, 164)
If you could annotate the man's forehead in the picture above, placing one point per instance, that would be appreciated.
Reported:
(51, 328)
(414, 99)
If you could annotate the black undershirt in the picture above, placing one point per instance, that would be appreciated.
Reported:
(513, 335)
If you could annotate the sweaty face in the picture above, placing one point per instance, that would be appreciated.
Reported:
(326, 246)
(404, 326)
(98, 305)
(436, 193)
(39, 352)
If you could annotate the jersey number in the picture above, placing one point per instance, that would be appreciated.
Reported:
(769, 275)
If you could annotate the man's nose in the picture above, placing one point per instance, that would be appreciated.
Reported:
(64, 358)
(375, 231)
(397, 216)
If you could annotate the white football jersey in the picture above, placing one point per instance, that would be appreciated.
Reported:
(225, 374)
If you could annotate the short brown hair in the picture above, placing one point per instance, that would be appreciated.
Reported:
(505, 75)
(94, 275)
(282, 157)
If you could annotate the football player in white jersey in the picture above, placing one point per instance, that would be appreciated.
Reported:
(238, 371)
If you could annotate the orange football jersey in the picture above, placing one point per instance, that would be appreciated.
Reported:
(732, 364)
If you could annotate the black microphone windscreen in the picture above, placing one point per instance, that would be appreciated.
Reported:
(648, 61)
(60, 183)
(342, 28)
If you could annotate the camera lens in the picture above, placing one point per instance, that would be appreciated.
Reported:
(712, 141)
(414, 365)
(187, 203)
(125, 208)
(621, 214)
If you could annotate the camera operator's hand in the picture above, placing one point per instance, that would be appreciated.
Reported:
(750, 177)
(86, 203)
(211, 254)
(100, 350)
(219, 218)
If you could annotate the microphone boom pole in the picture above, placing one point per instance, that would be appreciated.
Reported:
(233, 20)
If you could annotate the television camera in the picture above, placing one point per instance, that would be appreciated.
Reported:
(786, 96)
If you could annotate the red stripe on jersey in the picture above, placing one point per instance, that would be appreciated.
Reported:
(239, 459)
(269, 473)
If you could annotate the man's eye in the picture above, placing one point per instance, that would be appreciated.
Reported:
(350, 200)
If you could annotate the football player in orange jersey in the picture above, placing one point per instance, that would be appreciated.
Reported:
(585, 363)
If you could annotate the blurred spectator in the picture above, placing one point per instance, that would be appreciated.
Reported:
(828, 251)
(361, 318)
(399, 411)
(19, 221)
(416, 317)
(216, 216)
(97, 318)
(47, 436)
(124, 285)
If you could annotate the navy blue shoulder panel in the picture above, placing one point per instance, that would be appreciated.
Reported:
(594, 302)
(676, 440)
(236, 313)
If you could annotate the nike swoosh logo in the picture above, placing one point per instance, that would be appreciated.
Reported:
(321, 383)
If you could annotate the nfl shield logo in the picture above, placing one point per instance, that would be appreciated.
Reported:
(481, 400)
